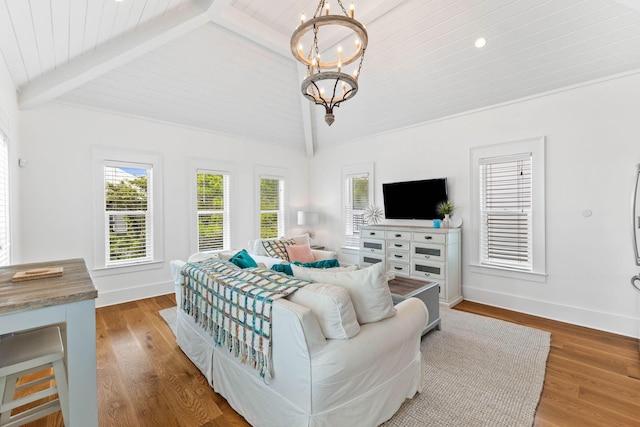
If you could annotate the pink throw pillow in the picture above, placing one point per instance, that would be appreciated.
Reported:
(300, 253)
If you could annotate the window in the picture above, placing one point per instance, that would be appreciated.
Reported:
(128, 213)
(508, 209)
(271, 207)
(212, 205)
(128, 208)
(505, 211)
(356, 195)
(5, 258)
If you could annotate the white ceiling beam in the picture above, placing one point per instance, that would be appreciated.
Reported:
(249, 28)
(112, 55)
(633, 4)
(306, 107)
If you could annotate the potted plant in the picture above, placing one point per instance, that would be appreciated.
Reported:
(445, 208)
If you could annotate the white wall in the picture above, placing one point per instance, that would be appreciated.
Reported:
(56, 188)
(9, 123)
(592, 146)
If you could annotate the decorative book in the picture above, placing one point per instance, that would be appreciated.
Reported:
(37, 273)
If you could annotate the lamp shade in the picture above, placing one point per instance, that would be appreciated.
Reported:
(308, 218)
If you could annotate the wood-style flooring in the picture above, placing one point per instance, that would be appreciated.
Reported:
(144, 379)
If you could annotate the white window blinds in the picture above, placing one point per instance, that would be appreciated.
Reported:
(5, 258)
(213, 209)
(271, 207)
(506, 211)
(128, 213)
(356, 200)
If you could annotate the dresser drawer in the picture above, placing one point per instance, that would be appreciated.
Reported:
(372, 246)
(367, 260)
(403, 245)
(399, 268)
(400, 256)
(426, 251)
(379, 234)
(429, 237)
(400, 235)
(427, 270)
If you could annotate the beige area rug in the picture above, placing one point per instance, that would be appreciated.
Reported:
(478, 372)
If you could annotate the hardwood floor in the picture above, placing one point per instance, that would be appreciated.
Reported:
(592, 377)
(144, 379)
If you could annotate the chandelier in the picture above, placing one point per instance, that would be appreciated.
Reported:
(326, 83)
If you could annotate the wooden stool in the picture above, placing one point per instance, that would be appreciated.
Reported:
(25, 353)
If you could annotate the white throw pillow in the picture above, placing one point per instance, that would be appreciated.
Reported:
(302, 239)
(368, 289)
(332, 307)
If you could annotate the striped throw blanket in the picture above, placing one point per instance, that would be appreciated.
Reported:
(235, 306)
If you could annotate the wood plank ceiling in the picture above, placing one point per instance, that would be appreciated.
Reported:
(225, 65)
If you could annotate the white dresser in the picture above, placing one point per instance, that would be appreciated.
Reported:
(423, 253)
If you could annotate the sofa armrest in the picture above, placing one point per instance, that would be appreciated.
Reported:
(176, 267)
(381, 351)
(319, 254)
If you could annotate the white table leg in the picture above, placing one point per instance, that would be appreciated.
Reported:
(81, 364)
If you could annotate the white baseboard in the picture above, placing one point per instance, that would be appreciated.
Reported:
(608, 322)
(119, 296)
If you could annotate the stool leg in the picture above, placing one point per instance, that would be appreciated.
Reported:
(60, 373)
(3, 391)
(8, 387)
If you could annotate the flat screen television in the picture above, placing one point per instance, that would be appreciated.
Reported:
(414, 199)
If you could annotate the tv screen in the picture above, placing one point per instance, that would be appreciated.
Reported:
(414, 199)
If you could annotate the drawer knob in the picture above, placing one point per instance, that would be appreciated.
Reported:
(428, 237)
(398, 256)
(397, 245)
(398, 268)
(398, 235)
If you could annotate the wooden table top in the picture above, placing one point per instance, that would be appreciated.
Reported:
(74, 285)
(403, 286)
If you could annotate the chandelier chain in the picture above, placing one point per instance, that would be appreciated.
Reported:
(360, 64)
(343, 9)
(319, 9)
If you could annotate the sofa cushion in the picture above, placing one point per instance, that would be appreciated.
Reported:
(256, 247)
(368, 289)
(331, 306)
(277, 248)
(302, 239)
(243, 260)
(285, 267)
(300, 253)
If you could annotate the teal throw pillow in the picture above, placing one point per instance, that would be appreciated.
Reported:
(286, 268)
(243, 260)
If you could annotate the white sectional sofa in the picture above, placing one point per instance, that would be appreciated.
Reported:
(359, 381)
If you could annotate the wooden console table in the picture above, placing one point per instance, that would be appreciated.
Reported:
(428, 292)
(68, 301)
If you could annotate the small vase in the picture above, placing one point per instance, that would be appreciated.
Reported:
(446, 221)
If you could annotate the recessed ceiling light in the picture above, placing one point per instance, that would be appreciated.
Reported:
(480, 42)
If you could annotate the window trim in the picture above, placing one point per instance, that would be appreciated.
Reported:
(266, 172)
(109, 155)
(536, 146)
(6, 170)
(214, 167)
(348, 171)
